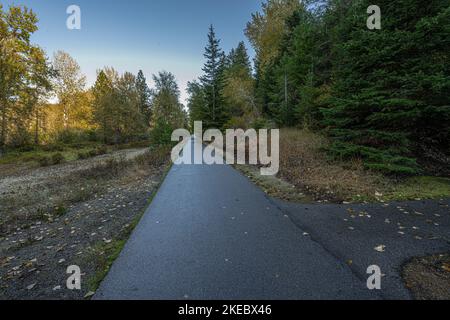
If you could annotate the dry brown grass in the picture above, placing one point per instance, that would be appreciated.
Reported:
(304, 163)
(49, 199)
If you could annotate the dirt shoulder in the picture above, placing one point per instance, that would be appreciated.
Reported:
(78, 213)
(428, 278)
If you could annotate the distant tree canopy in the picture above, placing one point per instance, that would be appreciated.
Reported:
(118, 108)
(380, 95)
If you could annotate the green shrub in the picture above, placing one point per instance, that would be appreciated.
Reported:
(236, 123)
(74, 136)
(101, 150)
(57, 158)
(162, 133)
(92, 153)
(154, 157)
(82, 155)
(26, 148)
(134, 144)
(262, 123)
(53, 148)
(44, 161)
(59, 211)
(388, 162)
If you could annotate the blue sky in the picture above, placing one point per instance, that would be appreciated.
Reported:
(151, 35)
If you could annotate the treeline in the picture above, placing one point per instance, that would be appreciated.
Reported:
(119, 108)
(381, 95)
(224, 96)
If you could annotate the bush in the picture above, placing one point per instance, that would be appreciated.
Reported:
(92, 153)
(57, 158)
(26, 148)
(101, 150)
(134, 144)
(155, 157)
(44, 161)
(236, 123)
(59, 211)
(75, 136)
(262, 123)
(53, 148)
(82, 155)
(162, 133)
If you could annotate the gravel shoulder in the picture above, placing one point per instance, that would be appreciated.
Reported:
(13, 178)
(35, 253)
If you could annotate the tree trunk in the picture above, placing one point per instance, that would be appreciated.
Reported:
(66, 117)
(36, 130)
(4, 123)
(214, 104)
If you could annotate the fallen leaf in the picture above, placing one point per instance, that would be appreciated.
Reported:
(31, 286)
(380, 248)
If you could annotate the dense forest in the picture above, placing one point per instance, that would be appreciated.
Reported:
(380, 95)
(118, 108)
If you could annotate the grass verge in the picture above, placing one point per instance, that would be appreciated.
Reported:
(46, 155)
(306, 174)
(416, 188)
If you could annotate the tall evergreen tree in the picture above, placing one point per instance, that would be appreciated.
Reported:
(212, 82)
(196, 102)
(102, 99)
(239, 59)
(391, 87)
(144, 94)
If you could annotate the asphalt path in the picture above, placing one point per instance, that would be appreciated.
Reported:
(211, 234)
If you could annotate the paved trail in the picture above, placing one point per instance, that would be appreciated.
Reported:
(211, 234)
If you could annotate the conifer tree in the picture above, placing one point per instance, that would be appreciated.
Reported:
(212, 82)
(144, 93)
(390, 98)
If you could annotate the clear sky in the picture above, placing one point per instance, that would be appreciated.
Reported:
(151, 35)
